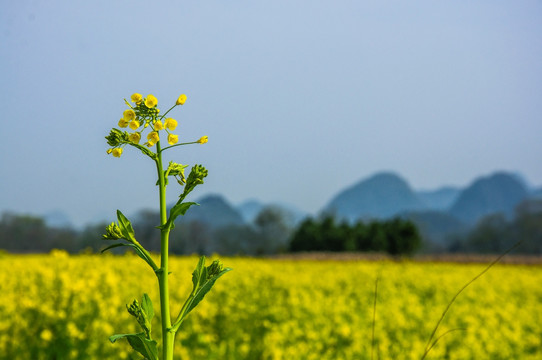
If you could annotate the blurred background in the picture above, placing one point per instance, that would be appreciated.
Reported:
(302, 102)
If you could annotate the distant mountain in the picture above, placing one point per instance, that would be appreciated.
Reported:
(536, 193)
(214, 211)
(436, 226)
(500, 192)
(250, 209)
(441, 199)
(381, 196)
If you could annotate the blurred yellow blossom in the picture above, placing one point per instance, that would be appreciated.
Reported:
(123, 123)
(135, 137)
(136, 98)
(158, 125)
(181, 100)
(134, 124)
(170, 124)
(203, 140)
(306, 305)
(151, 101)
(117, 152)
(129, 115)
(173, 139)
(153, 136)
(46, 335)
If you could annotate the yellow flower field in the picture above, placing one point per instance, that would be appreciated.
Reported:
(65, 307)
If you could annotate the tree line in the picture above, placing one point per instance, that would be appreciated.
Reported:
(274, 232)
(395, 237)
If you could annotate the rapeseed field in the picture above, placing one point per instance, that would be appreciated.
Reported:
(58, 306)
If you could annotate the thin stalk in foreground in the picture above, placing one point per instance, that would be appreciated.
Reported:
(430, 343)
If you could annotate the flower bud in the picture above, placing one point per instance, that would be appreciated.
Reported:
(215, 268)
(116, 137)
(181, 100)
(112, 232)
(203, 140)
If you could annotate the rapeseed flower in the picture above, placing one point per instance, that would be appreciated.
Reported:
(181, 100)
(136, 98)
(46, 335)
(134, 124)
(153, 136)
(129, 115)
(123, 123)
(170, 124)
(135, 137)
(158, 125)
(151, 101)
(203, 140)
(117, 152)
(172, 139)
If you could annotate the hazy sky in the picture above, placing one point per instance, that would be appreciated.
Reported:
(299, 98)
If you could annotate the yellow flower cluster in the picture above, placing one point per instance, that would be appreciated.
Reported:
(145, 115)
(301, 309)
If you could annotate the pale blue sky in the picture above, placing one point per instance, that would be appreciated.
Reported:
(299, 98)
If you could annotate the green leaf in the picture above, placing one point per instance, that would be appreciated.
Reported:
(147, 348)
(138, 250)
(203, 279)
(146, 306)
(144, 150)
(205, 282)
(126, 227)
(113, 246)
(178, 210)
(143, 254)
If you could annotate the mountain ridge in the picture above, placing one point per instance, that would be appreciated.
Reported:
(396, 197)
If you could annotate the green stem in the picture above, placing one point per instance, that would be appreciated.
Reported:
(164, 114)
(163, 283)
(172, 146)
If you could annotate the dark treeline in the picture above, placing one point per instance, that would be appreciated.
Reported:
(273, 232)
(395, 237)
